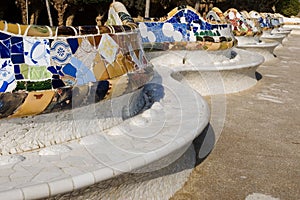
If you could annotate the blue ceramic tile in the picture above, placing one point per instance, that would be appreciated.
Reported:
(15, 40)
(17, 59)
(5, 49)
(17, 69)
(52, 69)
(70, 70)
(19, 77)
(4, 36)
(73, 42)
(4, 86)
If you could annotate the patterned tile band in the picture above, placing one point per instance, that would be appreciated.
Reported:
(184, 28)
(240, 25)
(265, 22)
(46, 69)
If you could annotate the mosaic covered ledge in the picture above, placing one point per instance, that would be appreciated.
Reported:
(241, 26)
(45, 69)
(185, 29)
(265, 20)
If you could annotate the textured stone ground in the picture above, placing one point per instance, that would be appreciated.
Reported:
(258, 153)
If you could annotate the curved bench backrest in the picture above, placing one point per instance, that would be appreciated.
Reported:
(252, 22)
(264, 23)
(215, 15)
(184, 28)
(239, 24)
(118, 15)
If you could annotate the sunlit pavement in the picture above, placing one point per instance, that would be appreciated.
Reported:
(258, 153)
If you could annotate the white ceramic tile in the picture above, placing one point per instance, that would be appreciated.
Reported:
(83, 180)
(103, 174)
(15, 194)
(36, 191)
(61, 186)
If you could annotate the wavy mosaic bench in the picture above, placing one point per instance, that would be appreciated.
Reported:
(96, 77)
(200, 51)
(46, 70)
(266, 24)
(247, 31)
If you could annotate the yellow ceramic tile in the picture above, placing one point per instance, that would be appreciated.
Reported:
(119, 60)
(99, 69)
(114, 69)
(129, 64)
(2, 25)
(224, 45)
(79, 40)
(35, 103)
(214, 46)
(13, 28)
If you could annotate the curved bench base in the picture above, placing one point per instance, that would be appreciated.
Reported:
(231, 76)
(264, 48)
(162, 133)
(276, 37)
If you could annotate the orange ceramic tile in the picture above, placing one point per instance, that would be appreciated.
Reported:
(92, 41)
(97, 39)
(35, 103)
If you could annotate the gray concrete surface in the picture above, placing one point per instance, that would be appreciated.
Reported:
(258, 153)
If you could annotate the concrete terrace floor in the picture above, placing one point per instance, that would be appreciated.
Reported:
(258, 152)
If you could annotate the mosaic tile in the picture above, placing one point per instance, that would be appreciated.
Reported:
(86, 53)
(39, 73)
(70, 70)
(29, 107)
(99, 68)
(46, 71)
(5, 46)
(73, 42)
(37, 51)
(60, 52)
(108, 48)
(35, 30)
(84, 74)
(7, 76)
(9, 102)
(184, 25)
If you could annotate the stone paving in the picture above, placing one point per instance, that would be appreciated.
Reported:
(258, 153)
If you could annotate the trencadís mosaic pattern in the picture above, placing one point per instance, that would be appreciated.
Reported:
(239, 23)
(265, 22)
(184, 28)
(42, 69)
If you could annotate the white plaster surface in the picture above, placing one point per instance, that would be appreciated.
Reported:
(166, 132)
(211, 73)
(26, 134)
(269, 35)
(263, 47)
